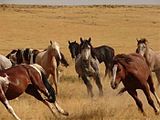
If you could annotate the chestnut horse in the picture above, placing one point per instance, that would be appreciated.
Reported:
(152, 57)
(87, 66)
(133, 71)
(30, 79)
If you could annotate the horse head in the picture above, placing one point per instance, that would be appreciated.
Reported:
(54, 49)
(74, 48)
(85, 48)
(141, 46)
(118, 71)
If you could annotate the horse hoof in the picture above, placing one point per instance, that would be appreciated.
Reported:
(144, 114)
(157, 112)
(66, 113)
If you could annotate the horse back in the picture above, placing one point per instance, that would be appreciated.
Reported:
(135, 65)
(18, 81)
(104, 53)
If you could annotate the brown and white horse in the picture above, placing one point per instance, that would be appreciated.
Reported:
(30, 79)
(133, 71)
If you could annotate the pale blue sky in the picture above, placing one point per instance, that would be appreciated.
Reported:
(81, 2)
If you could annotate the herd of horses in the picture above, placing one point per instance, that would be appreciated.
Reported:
(29, 70)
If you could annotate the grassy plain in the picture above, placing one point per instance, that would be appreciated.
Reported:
(116, 26)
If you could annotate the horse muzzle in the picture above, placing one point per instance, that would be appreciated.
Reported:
(114, 85)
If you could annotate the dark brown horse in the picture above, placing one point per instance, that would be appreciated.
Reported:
(30, 79)
(133, 71)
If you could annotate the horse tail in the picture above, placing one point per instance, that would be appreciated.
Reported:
(52, 97)
(110, 64)
(50, 89)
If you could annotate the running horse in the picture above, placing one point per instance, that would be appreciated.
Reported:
(133, 71)
(30, 79)
(30, 56)
(47, 59)
(103, 53)
(87, 66)
(152, 57)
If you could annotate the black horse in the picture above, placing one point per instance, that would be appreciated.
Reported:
(103, 53)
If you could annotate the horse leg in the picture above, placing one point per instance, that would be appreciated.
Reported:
(4, 100)
(88, 84)
(149, 99)
(31, 90)
(106, 70)
(133, 93)
(98, 83)
(158, 76)
(54, 77)
(152, 89)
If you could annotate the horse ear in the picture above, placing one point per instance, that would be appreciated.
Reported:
(81, 40)
(50, 42)
(145, 40)
(89, 39)
(137, 39)
(69, 42)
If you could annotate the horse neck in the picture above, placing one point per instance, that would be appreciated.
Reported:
(77, 52)
(50, 54)
(148, 53)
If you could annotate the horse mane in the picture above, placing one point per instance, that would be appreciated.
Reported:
(122, 57)
(89, 43)
(56, 46)
(142, 40)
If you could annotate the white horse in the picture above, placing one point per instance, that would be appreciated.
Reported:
(152, 57)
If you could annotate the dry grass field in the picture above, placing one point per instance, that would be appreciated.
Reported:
(116, 26)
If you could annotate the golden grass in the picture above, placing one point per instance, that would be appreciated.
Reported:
(116, 26)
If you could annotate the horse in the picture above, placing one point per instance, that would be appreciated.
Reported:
(26, 55)
(30, 56)
(103, 53)
(133, 71)
(87, 66)
(30, 79)
(152, 57)
(47, 59)
(5, 63)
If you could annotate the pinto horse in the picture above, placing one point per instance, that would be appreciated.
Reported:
(152, 57)
(5, 62)
(103, 53)
(30, 56)
(133, 71)
(87, 66)
(30, 79)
